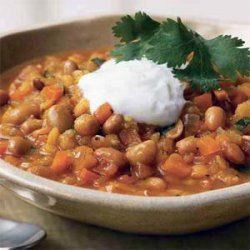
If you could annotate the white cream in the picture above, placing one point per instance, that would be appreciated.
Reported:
(142, 89)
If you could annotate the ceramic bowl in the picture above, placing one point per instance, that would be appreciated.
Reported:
(147, 215)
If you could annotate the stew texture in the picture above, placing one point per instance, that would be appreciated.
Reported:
(46, 129)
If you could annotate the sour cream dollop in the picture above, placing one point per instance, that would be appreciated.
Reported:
(141, 89)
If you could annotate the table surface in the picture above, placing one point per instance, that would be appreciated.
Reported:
(68, 234)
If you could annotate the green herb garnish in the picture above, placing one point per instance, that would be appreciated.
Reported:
(98, 61)
(242, 123)
(172, 42)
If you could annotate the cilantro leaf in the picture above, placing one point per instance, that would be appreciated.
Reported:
(172, 42)
(229, 56)
(130, 29)
(242, 123)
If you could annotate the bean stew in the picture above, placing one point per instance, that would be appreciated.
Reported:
(46, 128)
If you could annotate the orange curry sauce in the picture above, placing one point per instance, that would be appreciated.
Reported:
(46, 129)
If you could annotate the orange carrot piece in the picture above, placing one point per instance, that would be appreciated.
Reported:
(87, 177)
(221, 95)
(103, 112)
(25, 89)
(208, 145)
(3, 147)
(204, 101)
(54, 92)
(84, 161)
(61, 162)
(176, 166)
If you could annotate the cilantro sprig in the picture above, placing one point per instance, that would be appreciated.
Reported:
(173, 43)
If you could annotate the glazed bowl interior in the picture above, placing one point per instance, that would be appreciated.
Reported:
(154, 215)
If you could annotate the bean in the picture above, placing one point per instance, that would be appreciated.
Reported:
(191, 124)
(142, 171)
(7, 130)
(187, 145)
(110, 154)
(18, 145)
(114, 141)
(215, 117)
(4, 97)
(38, 84)
(99, 141)
(67, 140)
(233, 153)
(21, 113)
(60, 116)
(30, 125)
(70, 67)
(176, 131)
(155, 183)
(114, 124)
(86, 125)
(144, 153)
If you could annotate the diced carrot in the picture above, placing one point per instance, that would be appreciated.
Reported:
(176, 166)
(54, 92)
(221, 95)
(103, 112)
(12, 160)
(25, 89)
(87, 177)
(208, 145)
(3, 147)
(17, 95)
(204, 101)
(61, 162)
(84, 161)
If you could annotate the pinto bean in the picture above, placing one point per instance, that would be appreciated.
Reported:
(18, 145)
(215, 117)
(114, 124)
(233, 153)
(59, 116)
(144, 153)
(187, 145)
(112, 155)
(176, 131)
(67, 140)
(70, 67)
(30, 125)
(142, 171)
(86, 125)
(20, 113)
(155, 183)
